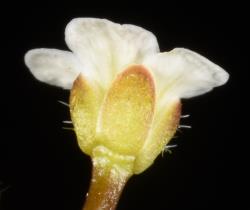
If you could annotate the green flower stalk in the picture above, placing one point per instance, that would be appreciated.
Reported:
(125, 96)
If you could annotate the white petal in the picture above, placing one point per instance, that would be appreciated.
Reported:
(55, 67)
(106, 47)
(183, 73)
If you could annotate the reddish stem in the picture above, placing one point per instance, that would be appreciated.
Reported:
(106, 186)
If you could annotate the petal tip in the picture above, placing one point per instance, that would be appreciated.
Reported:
(52, 66)
(222, 77)
(28, 57)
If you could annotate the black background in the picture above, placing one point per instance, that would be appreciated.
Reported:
(41, 163)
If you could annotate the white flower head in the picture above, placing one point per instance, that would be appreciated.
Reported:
(101, 49)
(104, 53)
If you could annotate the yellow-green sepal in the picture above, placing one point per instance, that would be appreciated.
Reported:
(163, 128)
(127, 111)
(85, 101)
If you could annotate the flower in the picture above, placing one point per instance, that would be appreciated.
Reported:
(125, 94)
